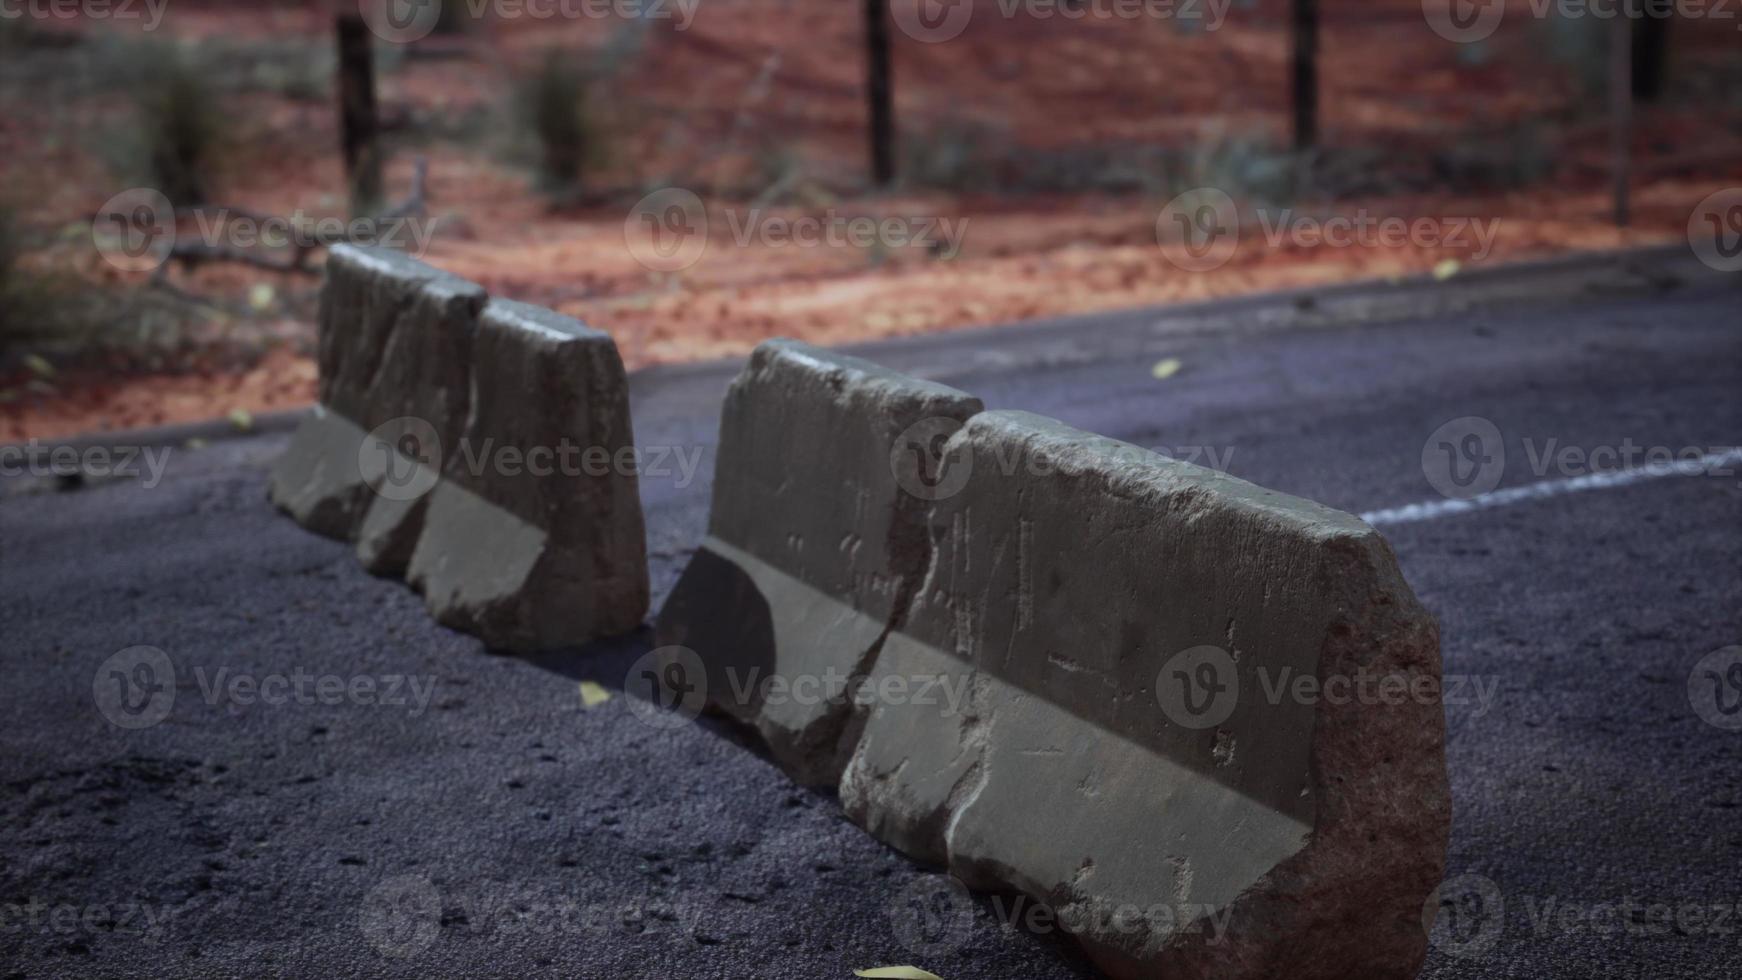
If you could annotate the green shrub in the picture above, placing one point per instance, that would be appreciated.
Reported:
(551, 104)
(176, 132)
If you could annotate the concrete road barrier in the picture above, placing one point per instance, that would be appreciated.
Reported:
(812, 547)
(395, 346)
(534, 536)
(426, 384)
(1199, 720)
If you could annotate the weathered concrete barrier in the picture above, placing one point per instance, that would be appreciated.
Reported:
(552, 552)
(1197, 719)
(395, 346)
(812, 547)
(425, 384)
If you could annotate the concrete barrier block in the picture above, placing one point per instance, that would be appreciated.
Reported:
(426, 386)
(378, 310)
(533, 538)
(1151, 735)
(813, 550)
(420, 398)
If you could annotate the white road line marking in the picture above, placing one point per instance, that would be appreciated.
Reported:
(1435, 509)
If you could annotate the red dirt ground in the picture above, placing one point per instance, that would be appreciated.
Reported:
(760, 88)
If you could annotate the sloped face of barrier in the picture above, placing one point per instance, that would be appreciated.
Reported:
(1198, 719)
(424, 381)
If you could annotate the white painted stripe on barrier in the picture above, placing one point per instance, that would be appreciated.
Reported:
(1434, 509)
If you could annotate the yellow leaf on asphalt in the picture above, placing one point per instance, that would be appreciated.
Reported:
(897, 973)
(1447, 269)
(242, 419)
(1165, 369)
(39, 366)
(593, 695)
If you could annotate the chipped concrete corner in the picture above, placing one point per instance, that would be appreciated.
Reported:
(418, 367)
(1065, 584)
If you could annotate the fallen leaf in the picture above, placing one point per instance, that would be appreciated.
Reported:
(1165, 369)
(38, 365)
(593, 695)
(897, 973)
(195, 444)
(242, 419)
(1447, 269)
(261, 297)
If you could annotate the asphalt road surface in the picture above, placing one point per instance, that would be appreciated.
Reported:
(413, 805)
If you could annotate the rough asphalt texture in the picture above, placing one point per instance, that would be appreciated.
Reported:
(556, 840)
